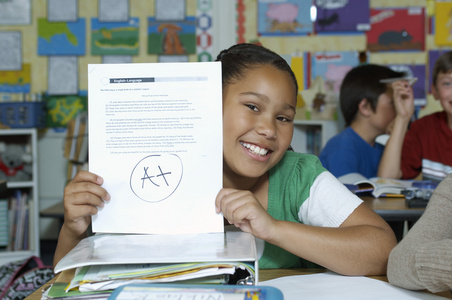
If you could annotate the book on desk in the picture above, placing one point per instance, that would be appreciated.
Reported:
(386, 187)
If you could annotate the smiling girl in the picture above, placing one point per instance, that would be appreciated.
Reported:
(287, 199)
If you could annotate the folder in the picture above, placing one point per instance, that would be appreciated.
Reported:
(197, 252)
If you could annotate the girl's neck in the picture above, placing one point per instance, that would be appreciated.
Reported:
(234, 181)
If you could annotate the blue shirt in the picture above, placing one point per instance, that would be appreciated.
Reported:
(347, 153)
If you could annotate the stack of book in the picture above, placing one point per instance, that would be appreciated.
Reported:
(101, 263)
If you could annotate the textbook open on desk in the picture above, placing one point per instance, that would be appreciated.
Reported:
(194, 257)
(377, 186)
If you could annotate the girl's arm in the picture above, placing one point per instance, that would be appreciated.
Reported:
(358, 245)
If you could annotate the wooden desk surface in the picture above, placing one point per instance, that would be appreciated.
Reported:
(263, 276)
(393, 209)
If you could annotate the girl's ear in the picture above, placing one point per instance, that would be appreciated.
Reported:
(435, 92)
(364, 108)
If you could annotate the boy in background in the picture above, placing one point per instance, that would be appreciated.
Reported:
(370, 108)
(427, 148)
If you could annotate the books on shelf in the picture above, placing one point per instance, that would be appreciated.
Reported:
(377, 186)
(4, 223)
(18, 223)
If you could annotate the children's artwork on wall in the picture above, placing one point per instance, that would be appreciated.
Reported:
(63, 75)
(170, 10)
(172, 38)
(350, 16)
(328, 69)
(418, 71)
(284, 17)
(62, 109)
(113, 11)
(15, 12)
(61, 38)
(395, 29)
(115, 38)
(332, 66)
(433, 55)
(15, 82)
(443, 23)
(11, 50)
(62, 10)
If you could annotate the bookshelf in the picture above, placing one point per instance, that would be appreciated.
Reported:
(310, 136)
(30, 246)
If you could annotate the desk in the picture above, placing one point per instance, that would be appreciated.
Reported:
(263, 276)
(393, 209)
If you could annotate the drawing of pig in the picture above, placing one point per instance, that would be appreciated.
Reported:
(283, 12)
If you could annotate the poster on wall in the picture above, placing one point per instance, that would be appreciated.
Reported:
(332, 66)
(172, 38)
(284, 17)
(15, 82)
(63, 108)
(61, 38)
(396, 29)
(352, 16)
(418, 71)
(115, 38)
(11, 50)
(443, 23)
(15, 12)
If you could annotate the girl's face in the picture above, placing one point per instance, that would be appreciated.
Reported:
(442, 91)
(258, 113)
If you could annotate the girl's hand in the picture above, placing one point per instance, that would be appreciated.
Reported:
(82, 196)
(242, 209)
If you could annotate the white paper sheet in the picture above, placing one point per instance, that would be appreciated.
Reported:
(11, 50)
(62, 75)
(155, 136)
(333, 286)
(62, 10)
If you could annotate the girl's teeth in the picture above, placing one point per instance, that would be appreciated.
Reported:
(256, 149)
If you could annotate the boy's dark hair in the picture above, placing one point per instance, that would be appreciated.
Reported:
(363, 82)
(442, 65)
(241, 57)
